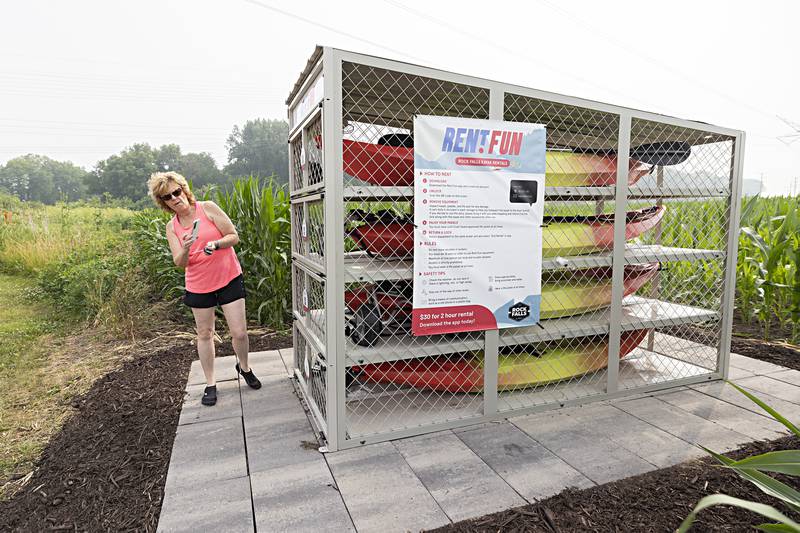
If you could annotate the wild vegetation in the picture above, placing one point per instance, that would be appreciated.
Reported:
(79, 251)
(81, 264)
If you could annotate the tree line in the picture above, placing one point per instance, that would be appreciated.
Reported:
(257, 148)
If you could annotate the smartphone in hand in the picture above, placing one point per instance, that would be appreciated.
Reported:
(195, 228)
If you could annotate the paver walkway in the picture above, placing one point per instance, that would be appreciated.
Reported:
(251, 462)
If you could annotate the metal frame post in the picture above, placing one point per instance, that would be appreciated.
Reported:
(492, 337)
(731, 256)
(618, 261)
(654, 289)
(292, 224)
(334, 247)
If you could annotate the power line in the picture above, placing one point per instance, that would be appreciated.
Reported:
(443, 23)
(110, 124)
(149, 83)
(334, 30)
(637, 51)
(177, 99)
(792, 137)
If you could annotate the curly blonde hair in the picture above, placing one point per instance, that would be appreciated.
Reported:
(159, 184)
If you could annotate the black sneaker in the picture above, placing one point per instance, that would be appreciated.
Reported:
(209, 395)
(249, 377)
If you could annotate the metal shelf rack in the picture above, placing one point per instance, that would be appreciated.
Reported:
(685, 308)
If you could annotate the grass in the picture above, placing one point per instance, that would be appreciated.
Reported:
(23, 326)
(37, 236)
(44, 365)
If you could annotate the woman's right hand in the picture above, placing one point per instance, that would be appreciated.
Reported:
(188, 241)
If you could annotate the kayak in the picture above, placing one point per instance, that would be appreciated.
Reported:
(385, 307)
(564, 293)
(464, 373)
(385, 165)
(386, 234)
(582, 234)
(572, 292)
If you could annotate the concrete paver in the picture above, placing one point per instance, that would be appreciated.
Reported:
(448, 468)
(207, 451)
(228, 404)
(597, 457)
(219, 506)
(223, 371)
(773, 386)
(382, 492)
(276, 394)
(299, 498)
(754, 365)
(633, 434)
(787, 376)
(683, 424)
(735, 374)
(427, 481)
(267, 363)
(514, 455)
(733, 417)
(279, 438)
(725, 392)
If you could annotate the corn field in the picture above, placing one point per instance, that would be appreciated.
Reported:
(768, 270)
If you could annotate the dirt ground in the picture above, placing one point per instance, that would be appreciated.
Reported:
(105, 469)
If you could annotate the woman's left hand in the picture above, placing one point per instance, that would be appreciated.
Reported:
(210, 247)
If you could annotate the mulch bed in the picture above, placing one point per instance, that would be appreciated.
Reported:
(105, 470)
(654, 502)
(777, 353)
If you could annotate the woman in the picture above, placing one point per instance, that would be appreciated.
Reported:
(213, 274)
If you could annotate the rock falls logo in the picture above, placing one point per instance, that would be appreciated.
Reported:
(519, 311)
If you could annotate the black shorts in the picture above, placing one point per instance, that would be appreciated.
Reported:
(227, 294)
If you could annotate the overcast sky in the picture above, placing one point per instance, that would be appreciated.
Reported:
(81, 80)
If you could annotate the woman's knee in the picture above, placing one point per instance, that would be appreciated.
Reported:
(205, 334)
(239, 334)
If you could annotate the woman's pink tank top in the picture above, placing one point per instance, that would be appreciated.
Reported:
(207, 273)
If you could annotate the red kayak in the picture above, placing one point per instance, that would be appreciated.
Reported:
(381, 164)
(387, 234)
(464, 373)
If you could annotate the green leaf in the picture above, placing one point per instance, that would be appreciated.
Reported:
(759, 508)
(765, 483)
(772, 412)
(780, 528)
(783, 461)
(748, 206)
(757, 239)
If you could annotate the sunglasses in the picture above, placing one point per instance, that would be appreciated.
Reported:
(173, 194)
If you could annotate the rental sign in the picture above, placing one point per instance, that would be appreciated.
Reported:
(478, 208)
